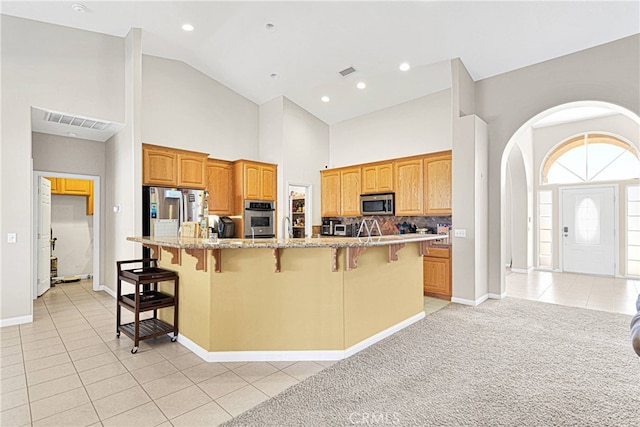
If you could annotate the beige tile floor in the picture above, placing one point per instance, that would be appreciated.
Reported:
(578, 290)
(67, 368)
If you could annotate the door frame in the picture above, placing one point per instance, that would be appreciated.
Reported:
(308, 205)
(96, 225)
(616, 228)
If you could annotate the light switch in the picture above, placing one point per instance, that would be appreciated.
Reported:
(461, 232)
(12, 237)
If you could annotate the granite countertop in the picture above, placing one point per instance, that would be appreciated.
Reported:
(309, 242)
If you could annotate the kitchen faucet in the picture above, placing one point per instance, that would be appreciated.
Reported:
(289, 229)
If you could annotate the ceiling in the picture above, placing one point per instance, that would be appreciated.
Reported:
(310, 42)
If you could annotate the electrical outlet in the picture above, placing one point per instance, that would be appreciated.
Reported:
(12, 237)
(460, 232)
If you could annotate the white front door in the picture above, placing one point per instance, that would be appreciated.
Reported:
(44, 235)
(588, 230)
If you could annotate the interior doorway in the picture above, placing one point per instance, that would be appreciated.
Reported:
(95, 237)
(299, 210)
(588, 230)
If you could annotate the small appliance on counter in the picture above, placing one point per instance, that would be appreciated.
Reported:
(346, 230)
(226, 228)
(328, 226)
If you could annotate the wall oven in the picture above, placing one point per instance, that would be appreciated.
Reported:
(259, 219)
(377, 204)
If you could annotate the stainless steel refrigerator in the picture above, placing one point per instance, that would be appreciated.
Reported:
(165, 209)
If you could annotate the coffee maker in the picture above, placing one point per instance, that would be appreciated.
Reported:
(328, 226)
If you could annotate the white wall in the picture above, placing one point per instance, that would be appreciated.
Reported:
(51, 67)
(74, 230)
(517, 200)
(607, 73)
(414, 127)
(183, 108)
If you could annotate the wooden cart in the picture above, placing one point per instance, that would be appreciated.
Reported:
(146, 297)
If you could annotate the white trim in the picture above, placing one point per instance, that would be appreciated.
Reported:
(264, 356)
(522, 270)
(16, 321)
(107, 290)
(471, 302)
(498, 296)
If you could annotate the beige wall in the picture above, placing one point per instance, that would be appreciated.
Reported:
(181, 107)
(47, 66)
(414, 127)
(607, 73)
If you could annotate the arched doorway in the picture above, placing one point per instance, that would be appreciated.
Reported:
(522, 148)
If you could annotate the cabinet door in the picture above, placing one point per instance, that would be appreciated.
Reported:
(409, 187)
(79, 187)
(330, 193)
(269, 188)
(191, 171)
(55, 185)
(350, 191)
(385, 177)
(252, 185)
(369, 179)
(159, 168)
(219, 186)
(437, 185)
(437, 276)
(90, 199)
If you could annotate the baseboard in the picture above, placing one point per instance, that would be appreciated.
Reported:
(107, 290)
(275, 356)
(470, 302)
(522, 270)
(12, 321)
(498, 296)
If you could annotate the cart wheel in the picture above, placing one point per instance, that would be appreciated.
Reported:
(134, 350)
(174, 339)
(117, 334)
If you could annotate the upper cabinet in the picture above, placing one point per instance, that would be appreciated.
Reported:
(377, 178)
(330, 191)
(437, 184)
(220, 187)
(74, 187)
(422, 185)
(169, 167)
(409, 187)
(350, 187)
(255, 180)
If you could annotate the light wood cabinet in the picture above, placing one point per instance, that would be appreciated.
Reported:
(74, 187)
(409, 187)
(220, 187)
(437, 272)
(170, 167)
(255, 180)
(377, 178)
(350, 190)
(437, 185)
(330, 192)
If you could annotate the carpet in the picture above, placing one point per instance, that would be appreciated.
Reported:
(510, 362)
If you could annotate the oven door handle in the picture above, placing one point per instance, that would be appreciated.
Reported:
(259, 210)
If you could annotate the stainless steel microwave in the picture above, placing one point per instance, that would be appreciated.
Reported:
(377, 204)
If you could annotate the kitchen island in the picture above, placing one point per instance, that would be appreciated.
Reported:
(292, 299)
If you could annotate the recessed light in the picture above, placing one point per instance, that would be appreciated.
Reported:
(275, 76)
(270, 27)
(404, 66)
(325, 99)
(188, 27)
(80, 8)
(361, 85)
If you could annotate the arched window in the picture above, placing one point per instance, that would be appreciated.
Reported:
(591, 157)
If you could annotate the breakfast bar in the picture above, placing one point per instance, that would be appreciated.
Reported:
(292, 299)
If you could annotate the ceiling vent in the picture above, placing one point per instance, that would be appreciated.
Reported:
(347, 71)
(82, 122)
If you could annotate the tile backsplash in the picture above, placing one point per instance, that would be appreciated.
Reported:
(389, 224)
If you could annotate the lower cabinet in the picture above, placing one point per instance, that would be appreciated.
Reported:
(437, 272)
